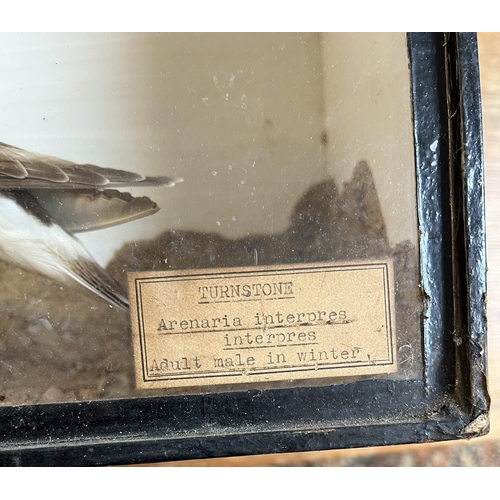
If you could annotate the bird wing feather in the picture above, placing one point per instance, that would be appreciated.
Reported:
(80, 210)
(21, 169)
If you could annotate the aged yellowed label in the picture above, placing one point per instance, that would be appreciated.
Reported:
(261, 324)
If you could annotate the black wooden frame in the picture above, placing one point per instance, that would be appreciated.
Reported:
(451, 401)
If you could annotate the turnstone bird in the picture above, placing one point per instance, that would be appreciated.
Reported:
(45, 200)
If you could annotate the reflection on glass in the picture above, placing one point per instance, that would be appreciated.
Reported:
(294, 148)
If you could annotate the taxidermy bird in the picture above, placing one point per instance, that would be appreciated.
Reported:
(44, 200)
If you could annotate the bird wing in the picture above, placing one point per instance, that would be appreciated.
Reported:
(80, 210)
(21, 169)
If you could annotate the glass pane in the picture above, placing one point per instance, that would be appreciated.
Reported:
(294, 149)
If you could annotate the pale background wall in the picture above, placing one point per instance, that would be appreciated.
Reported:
(239, 116)
(368, 116)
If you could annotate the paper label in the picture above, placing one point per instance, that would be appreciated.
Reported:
(262, 324)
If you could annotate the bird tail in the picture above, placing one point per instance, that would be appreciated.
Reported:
(92, 276)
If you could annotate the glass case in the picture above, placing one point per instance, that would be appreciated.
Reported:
(207, 238)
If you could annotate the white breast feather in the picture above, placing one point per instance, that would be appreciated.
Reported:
(29, 243)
